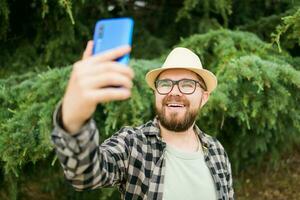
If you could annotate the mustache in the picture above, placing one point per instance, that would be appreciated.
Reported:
(175, 99)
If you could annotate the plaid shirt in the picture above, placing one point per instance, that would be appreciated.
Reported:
(132, 159)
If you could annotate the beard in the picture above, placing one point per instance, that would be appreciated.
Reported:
(173, 122)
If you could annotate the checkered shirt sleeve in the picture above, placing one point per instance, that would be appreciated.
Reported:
(81, 157)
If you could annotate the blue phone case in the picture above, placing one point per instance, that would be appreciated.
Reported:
(112, 33)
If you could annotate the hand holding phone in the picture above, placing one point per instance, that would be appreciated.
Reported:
(113, 33)
(89, 84)
(99, 79)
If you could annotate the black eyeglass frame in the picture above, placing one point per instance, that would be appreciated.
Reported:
(177, 83)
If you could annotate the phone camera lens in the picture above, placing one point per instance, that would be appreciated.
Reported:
(101, 29)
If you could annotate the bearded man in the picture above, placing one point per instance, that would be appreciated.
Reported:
(166, 158)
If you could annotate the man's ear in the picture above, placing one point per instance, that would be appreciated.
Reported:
(205, 97)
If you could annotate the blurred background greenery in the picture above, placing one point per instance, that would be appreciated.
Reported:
(252, 46)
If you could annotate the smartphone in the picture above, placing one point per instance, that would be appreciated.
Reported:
(112, 33)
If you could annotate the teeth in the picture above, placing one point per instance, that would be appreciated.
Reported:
(174, 105)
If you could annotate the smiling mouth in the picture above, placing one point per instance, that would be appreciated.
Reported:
(175, 105)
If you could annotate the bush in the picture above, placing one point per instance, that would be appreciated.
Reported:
(254, 111)
(28, 103)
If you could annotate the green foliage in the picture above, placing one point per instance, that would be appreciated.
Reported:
(67, 4)
(255, 86)
(280, 27)
(247, 12)
(259, 96)
(27, 103)
(42, 33)
(254, 111)
(263, 27)
(38, 34)
(205, 8)
(216, 48)
(291, 24)
(4, 13)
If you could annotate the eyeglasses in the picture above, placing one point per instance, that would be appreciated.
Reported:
(185, 86)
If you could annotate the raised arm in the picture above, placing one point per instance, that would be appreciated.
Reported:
(87, 164)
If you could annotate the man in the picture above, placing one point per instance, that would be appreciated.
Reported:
(166, 158)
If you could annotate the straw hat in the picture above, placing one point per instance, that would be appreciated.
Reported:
(183, 58)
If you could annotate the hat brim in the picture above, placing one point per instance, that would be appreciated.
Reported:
(208, 77)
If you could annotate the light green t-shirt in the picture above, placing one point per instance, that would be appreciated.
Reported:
(187, 176)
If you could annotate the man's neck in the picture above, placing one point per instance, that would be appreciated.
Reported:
(187, 140)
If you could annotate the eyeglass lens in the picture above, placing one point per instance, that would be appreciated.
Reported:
(185, 86)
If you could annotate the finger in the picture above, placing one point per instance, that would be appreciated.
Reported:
(88, 50)
(109, 67)
(112, 54)
(110, 94)
(109, 79)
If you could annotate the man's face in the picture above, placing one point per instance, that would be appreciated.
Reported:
(177, 111)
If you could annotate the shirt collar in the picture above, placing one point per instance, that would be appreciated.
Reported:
(152, 128)
(206, 142)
